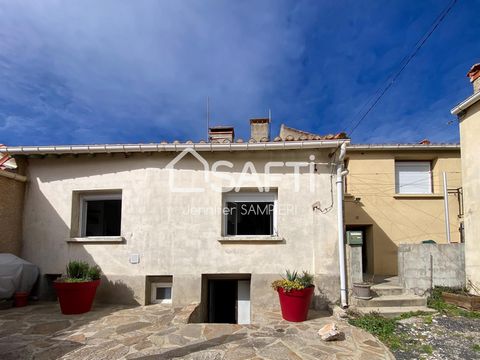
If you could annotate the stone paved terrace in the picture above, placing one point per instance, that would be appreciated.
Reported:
(158, 332)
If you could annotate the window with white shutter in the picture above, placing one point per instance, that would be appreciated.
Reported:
(413, 177)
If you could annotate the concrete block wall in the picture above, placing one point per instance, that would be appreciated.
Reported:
(11, 210)
(422, 266)
(354, 264)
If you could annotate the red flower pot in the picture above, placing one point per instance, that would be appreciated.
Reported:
(76, 297)
(295, 303)
(21, 299)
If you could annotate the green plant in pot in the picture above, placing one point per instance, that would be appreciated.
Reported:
(295, 292)
(77, 289)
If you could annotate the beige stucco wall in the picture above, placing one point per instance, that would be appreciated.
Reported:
(11, 207)
(469, 132)
(171, 241)
(395, 220)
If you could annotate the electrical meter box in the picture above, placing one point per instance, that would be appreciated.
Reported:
(355, 237)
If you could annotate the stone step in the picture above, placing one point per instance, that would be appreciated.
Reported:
(392, 301)
(387, 289)
(391, 312)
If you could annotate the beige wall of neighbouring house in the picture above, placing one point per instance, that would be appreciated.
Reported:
(469, 134)
(391, 220)
(11, 208)
(171, 232)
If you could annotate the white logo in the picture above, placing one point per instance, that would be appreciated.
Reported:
(248, 176)
(171, 168)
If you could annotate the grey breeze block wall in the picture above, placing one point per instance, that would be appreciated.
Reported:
(422, 266)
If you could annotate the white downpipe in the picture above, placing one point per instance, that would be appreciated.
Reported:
(445, 203)
(340, 226)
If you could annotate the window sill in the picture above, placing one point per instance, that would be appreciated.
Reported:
(97, 239)
(418, 196)
(252, 239)
(164, 302)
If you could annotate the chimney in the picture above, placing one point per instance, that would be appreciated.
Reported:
(474, 75)
(260, 129)
(221, 134)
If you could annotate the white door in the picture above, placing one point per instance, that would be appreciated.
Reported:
(243, 302)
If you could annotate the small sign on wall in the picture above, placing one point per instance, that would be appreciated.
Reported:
(134, 258)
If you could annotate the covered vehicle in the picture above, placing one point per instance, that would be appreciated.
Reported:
(16, 275)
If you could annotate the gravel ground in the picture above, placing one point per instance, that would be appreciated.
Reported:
(440, 337)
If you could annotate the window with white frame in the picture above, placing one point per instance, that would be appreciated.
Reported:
(161, 292)
(413, 177)
(100, 215)
(250, 213)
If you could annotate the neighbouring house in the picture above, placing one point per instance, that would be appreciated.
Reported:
(394, 195)
(468, 113)
(12, 187)
(209, 222)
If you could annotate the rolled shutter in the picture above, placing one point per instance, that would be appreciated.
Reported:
(413, 177)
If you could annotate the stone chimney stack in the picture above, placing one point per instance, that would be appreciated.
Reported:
(260, 129)
(474, 75)
(221, 134)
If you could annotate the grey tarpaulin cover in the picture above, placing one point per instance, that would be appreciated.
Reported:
(16, 275)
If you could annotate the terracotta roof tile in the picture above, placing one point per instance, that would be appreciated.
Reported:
(474, 72)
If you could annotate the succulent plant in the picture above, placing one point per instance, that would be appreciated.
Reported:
(294, 281)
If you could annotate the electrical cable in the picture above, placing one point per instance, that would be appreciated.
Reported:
(404, 63)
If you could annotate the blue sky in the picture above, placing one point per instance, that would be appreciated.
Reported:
(140, 71)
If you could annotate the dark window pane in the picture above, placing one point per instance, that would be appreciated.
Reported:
(231, 214)
(103, 217)
(254, 218)
(164, 293)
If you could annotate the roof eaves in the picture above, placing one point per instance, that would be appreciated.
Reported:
(175, 146)
(420, 147)
(465, 104)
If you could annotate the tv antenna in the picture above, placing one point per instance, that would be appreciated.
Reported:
(208, 116)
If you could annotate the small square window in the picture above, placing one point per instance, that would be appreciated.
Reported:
(250, 214)
(100, 215)
(164, 293)
(161, 293)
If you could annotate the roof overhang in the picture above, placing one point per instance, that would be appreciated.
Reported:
(403, 147)
(139, 148)
(465, 104)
